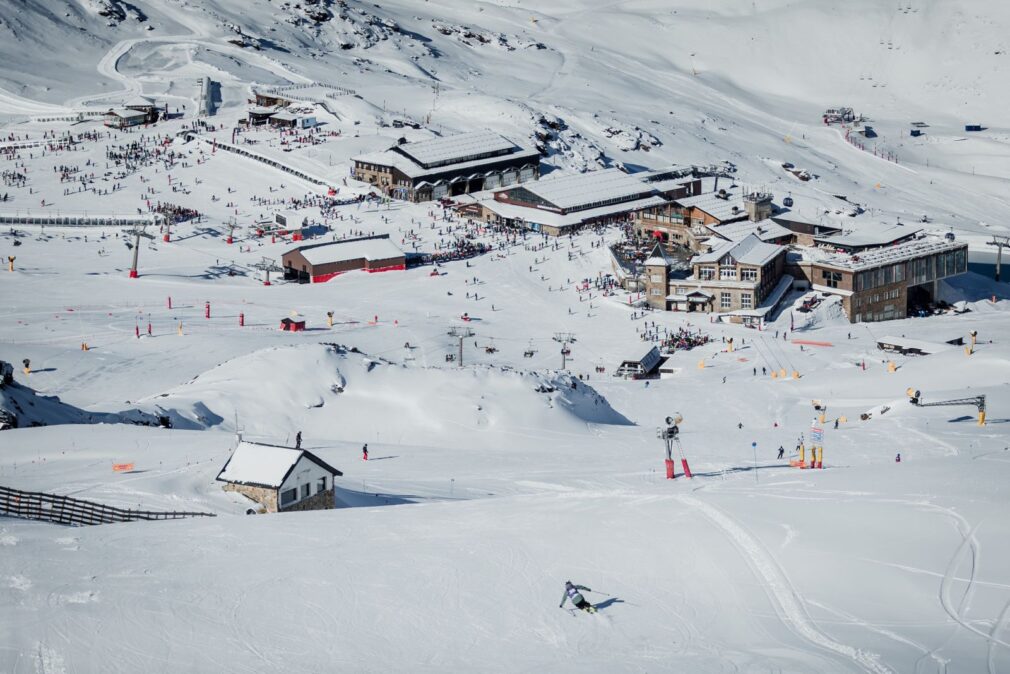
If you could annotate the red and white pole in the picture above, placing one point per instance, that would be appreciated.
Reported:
(241, 320)
(671, 469)
(169, 301)
(206, 309)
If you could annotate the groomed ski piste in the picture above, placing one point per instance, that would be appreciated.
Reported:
(492, 482)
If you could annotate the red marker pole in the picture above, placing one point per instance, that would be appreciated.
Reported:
(206, 309)
(149, 328)
(169, 301)
(241, 320)
(136, 331)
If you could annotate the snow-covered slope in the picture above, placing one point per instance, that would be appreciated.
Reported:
(490, 484)
(327, 391)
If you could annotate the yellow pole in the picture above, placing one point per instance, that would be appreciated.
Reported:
(180, 328)
(981, 417)
(329, 320)
(701, 364)
(775, 375)
(10, 264)
(803, 455)
(28, 370)
(729, 342)
(820, 417)
(796, 374)
(782, 373)
(820, 457)
(968, 350)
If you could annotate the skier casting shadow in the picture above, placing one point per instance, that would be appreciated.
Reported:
(572, 593)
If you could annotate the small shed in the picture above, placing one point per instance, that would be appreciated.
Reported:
(642, 366)
(259, 115)
(972, 127)
(123, 118)
(292, 120)
(292, 325)
(280, 478)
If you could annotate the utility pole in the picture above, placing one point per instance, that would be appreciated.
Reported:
(564, 338)
(137, 232)
(999, 242)
(460, 333)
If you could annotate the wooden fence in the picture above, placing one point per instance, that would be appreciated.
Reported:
(74, 511)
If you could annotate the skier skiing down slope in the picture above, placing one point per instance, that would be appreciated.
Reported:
(572, 592)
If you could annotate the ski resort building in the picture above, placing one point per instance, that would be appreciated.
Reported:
(448, 167)
(280, 479)
(320, 262)
(641, 365)
(888, 282)
(687, 221)
(560, 204)
(744, 279)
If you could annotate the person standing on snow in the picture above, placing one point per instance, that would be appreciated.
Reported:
(364, 452)
(572, 593)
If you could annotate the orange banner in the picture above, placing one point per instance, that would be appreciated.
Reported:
(122, 467)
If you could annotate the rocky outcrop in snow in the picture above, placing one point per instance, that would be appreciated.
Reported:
(566, 147)
(477, 37)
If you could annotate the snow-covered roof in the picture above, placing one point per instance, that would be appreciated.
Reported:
(379, 248)
(766, 230)
(729, 208)
(749, 250)
(905, 344)
(285, 116)
(584, 189)
(265, 465)
(458, 148)
(892, 254)
(126, 113)
(412, 169)
(869, 234)
(542, 217)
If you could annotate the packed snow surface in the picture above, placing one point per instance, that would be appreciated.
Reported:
(504, 456)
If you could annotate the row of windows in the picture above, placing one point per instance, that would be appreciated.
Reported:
(727, 273)
(877, 297)
(289, 496)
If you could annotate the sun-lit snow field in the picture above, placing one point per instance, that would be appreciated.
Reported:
(489, 485)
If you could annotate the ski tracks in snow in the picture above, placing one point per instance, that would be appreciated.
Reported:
(784, 597)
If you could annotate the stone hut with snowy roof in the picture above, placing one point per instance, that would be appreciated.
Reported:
(280, 479)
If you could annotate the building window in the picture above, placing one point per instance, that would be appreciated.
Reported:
(831, 278)
(289, 496)
(706, 273)
(749, 274)
(656, 278)
(725, 300)
(727, 273)
(656, 292)
(746, 301)
(321, 484)
(305, 490)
